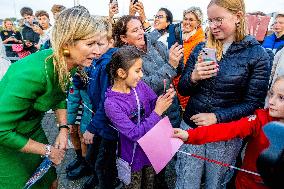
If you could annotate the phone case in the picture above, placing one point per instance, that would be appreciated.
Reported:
(208, 54)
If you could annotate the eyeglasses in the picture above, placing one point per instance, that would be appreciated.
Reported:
(216, 21)
(159, 16)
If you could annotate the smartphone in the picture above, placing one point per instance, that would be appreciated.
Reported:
(35, 23)
(208, 54)
(175, 33)
(178, 34)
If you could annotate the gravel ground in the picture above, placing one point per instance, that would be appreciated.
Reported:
(49, 126)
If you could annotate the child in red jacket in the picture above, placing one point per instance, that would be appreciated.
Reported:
(249, 126)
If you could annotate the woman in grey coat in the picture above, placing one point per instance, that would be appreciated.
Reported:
(160, 65)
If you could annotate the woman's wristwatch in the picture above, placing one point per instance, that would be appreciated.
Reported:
(63, 126)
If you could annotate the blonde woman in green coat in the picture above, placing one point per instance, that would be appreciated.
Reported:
(34, 85)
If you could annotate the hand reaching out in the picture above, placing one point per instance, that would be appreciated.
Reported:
(181, 134)
(62, 139)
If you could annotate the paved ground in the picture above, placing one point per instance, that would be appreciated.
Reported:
(51, 131)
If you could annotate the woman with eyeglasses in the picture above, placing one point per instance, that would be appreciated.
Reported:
(162, 20)
(222, 90)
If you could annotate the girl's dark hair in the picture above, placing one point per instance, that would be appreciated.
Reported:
(168, 14)
(120, 28)
(123, 58)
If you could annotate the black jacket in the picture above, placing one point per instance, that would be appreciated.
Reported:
(29, 35)
(239, 88)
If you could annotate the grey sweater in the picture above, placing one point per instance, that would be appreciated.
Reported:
(156, 68)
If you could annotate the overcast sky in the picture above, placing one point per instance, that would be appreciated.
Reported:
(11, 8)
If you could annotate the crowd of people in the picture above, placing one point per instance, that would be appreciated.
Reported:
(111, 80)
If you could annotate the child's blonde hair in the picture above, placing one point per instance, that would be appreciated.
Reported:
(234, 6)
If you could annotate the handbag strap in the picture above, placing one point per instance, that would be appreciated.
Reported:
(139, 120)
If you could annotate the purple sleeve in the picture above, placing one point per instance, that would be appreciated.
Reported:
(124, 125)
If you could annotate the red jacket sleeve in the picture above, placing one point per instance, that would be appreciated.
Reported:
(224, 131)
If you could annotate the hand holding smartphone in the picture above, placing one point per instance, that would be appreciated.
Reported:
(208, 54)
(207, 66)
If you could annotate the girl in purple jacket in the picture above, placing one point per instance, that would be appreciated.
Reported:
(123, 98)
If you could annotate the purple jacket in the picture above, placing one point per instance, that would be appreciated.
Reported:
(122, 110)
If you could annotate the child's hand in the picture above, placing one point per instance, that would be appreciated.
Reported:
(164, 102)
(88, 137)
(179, 133)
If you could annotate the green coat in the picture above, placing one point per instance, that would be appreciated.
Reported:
(29, 89)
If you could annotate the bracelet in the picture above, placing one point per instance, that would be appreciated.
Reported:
(47, 148)
(63, 126)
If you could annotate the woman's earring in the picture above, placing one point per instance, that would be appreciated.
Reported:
(66, 52)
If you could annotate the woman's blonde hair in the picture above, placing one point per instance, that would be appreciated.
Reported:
(8, 20)
(234, 6)
(72, 25)
(197, 13)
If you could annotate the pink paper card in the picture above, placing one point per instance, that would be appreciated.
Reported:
(158, 144)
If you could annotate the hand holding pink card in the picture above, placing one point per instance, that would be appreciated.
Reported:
(158, 144)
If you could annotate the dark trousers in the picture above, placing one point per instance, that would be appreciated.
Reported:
(101, 156)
